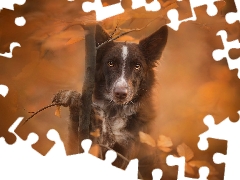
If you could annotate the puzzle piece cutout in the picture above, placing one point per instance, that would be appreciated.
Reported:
(12, 46)
(153, 6)
(232, 17)
(9, 4)
(102, 12)
(22, 148)
(3, 90)
(21, 157)
(157, 174)
(109, 158)
(226, 130)
(19, 21)
(219, 54)
(115, 9)
(180, 162)
(173, 14)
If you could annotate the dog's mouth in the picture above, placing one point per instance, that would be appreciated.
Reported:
(120, 102)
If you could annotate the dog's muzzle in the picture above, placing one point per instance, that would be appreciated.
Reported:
(120, 92)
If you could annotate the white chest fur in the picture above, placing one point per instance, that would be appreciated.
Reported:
(114, 127)
(117, 125)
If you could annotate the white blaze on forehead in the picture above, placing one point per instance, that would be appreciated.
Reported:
(121, 81)
(124, 53)
(124, 56)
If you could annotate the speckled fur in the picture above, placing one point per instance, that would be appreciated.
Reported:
(120, 122)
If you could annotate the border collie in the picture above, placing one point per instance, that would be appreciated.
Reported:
(122, 103)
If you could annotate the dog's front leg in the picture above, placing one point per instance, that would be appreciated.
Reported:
(71, 99)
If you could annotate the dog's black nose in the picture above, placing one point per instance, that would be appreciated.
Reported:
(120, 92)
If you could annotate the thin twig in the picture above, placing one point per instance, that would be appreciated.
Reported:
(115, 30)
(124, 33)
(42, 109)
(121, 156)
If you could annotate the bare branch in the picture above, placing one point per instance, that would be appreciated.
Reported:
(88, 84)
(124, 33)
(115, 30)
(42, 109)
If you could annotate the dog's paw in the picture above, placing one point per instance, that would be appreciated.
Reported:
(67, 98)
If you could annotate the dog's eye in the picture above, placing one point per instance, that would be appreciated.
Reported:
(137, 66)
(110, 64)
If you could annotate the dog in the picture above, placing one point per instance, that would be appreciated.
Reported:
(122, 105)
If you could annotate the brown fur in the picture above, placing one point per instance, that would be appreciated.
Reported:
(120, 120)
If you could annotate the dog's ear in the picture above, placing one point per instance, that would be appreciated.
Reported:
(153, 45)
(101, 36)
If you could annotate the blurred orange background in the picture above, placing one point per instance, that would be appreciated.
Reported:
(190, 83)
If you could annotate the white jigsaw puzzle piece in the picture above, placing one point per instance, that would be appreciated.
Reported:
(153, 6)
(103, 169)
(157, 174)
(115, 9)
(219, 54)
(110, 156)
(9, 4)
(174, 16)
(58, 149)
(81, 166)
(20, 21)
(232, 17)
(102, 12)
(132, 169)
(20, 148)
(226, 130)
(12, 46)
(27, 162)
(180, 162)
(3, 90)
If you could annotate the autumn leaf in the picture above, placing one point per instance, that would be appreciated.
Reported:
(189, 169)
(74, 40)
(164, 143)
(146, 138)
(199, 164)
(58, 111)
(96, 133)
(88, 19)
(94, 150)
(184, 150)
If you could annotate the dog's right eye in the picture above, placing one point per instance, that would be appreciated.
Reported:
(110, 63)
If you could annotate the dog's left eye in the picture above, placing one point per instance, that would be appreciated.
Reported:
(110, 64)
(137, 66)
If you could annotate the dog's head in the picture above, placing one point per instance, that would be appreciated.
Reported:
(124, 70)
